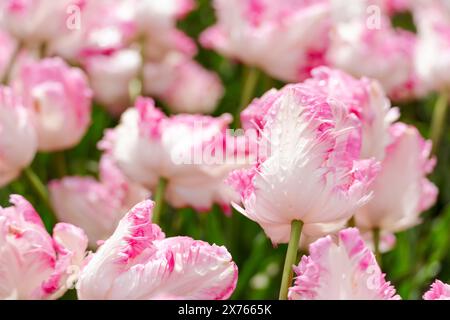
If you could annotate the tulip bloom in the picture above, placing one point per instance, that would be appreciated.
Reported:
(93, 28)
(33, 264)
(110, 77)
(60, 99)
(154, 15)
(401, 191)
(284, 38)
(34, 21)
(346, 270)
(139, 262)
(157, 23)
(183, 84)
(367, 100)
(376, 51)
(433, 48)
(96, 206)
(438, 291)
(18, 140)
(192, 152)
(309, 166)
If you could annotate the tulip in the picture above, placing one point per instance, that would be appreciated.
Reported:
(183, 84)
(192, 153)
(438, 291)
(110, 78)
(342, 270)
(34, 21)
(139, 262)
(367, 100)
(313, 141)
(259, 33)
(60, 99)
(401, 191)
(18, 140)
(431, 58)
(99, 27)
(33, 264)
(95, 206)
(151, 14)
(432, 54)
(157, 24)
(376, 51)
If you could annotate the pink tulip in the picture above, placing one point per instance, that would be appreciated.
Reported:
(341, 270)
(95, 206)
(157, 23)
(154, 15)
(401, 191)
(309, 166)
(139, 262)
(438, 291)
(433, 48)
(377, 51)
(33, 264)
(367, 100)
(192, 152)
(284, 38)
(101, 27)
(34, 21)
(18, 140)
(61, 100)
(183, 84)
(110, 77)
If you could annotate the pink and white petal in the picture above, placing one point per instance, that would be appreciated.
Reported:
(183, 268)
(70, 244)
(438, 291)
(346, 270)
(86, 203)
(132, 240)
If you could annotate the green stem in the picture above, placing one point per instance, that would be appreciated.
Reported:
(135, 88)
(60, 163)
(249, 85)
(268, 82)
(438, 120)
(41, 191)
(376, 245)
(291, 257)
(159, 200)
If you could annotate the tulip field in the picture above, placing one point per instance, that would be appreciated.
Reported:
(224, 149)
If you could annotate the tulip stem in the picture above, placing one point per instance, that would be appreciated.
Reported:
(60, 163)
(159, 200)
(376, 245)
(250, 80)
(41, 191)
(291, 257)
(438, 120)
